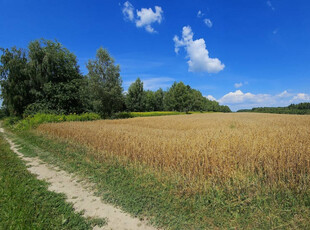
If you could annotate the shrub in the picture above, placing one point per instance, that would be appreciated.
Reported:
(2, 113)
(122, 115)
(156, 113)
(33, 121)
(10, 121)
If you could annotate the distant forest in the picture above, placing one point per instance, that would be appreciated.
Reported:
(45, 78)
(301, 108)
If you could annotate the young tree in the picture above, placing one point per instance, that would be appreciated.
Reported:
(105, 83)
(135, 98)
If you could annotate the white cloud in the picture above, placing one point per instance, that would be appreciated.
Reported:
(301, 97)
(269, 4)
(210, 97)
(128, 11)
(208, 22)
(200, 14)
(284, 94)
(239, 97)
(275, 31)
(147, 16)
(238, 85)
(239, 100)
(199, 60)
(144, 17)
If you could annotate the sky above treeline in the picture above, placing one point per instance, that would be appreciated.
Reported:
(241, 53)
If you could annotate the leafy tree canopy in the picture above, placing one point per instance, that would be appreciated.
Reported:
(45, 78)
(105, 84)
(135, 98)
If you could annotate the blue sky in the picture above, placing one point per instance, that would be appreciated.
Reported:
(241, 53)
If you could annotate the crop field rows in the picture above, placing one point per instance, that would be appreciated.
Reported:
(205, 148)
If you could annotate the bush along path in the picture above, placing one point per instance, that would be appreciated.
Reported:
(80, 195)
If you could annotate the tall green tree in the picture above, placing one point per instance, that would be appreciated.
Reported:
(55, 78)
(14, 81)
(135, 98)
(178, 98)
(150, 102)
(183, 97)
(169, 98)
(159, 100)
(105, 83)
(197, 100)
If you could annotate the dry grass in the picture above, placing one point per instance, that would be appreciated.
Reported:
(205, 148)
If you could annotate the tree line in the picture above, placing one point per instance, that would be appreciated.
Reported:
(301, 108)
(46, 78)
(179, 97)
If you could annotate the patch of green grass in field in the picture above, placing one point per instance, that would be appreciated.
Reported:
(25, 202)
(144, 193)
(100, 222)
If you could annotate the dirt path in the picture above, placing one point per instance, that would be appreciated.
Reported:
(77, 193)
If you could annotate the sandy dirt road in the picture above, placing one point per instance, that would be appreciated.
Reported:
(79, 193)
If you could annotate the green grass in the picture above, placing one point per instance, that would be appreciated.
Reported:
(100, 222)
(25, 202)
(33, 121)
(166, 202)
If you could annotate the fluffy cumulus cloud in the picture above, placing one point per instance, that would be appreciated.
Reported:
(147, 16)
(301, 97)
(240, 100)
(239, 97)
(144, 17)
(199, 60)
(208, 22)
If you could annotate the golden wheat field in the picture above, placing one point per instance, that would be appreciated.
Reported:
(204, 147)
